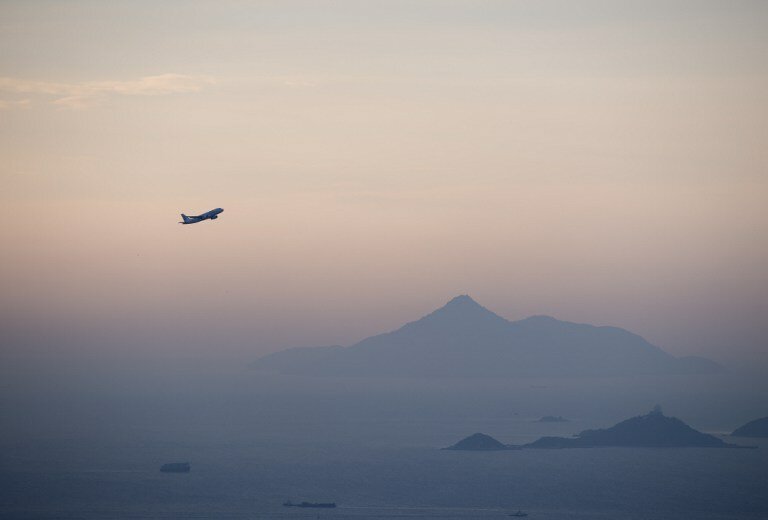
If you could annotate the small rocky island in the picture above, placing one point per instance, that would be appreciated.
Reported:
(175, 467)
(756, 428)
(651, 430)
(552, 419)
(480, 442)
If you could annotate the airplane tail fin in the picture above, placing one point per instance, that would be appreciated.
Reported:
(187, 220)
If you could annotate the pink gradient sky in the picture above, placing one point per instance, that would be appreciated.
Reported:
(602, 162)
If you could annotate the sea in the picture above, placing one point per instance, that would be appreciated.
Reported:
(89, 445)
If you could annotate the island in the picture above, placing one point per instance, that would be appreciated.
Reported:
(480, 442)
(442, 343)
(552, 419)
(651, 430)
(756, 428)
(175, 467)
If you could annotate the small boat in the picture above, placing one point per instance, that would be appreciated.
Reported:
(518, 514)
(324, 505)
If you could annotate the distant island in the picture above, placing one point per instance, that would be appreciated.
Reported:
(464, 339)
(552, 419)
(756, 428)
(651, 430)
(480, 442)
(175, 467)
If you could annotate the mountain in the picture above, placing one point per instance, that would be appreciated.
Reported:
(652, 430)
(479, 442)
(756, 428)
(464, 339)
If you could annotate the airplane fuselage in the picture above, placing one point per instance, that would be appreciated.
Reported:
(208, 215)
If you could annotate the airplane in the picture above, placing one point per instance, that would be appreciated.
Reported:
(208, 215)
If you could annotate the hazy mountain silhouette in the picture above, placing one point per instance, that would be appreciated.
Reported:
(652, 430)
(756, 428)
(465, 339)
(479, 442)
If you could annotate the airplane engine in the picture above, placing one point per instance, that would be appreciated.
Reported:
(214, 217)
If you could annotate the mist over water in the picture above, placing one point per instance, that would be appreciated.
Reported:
(88, 444)
(84, 437)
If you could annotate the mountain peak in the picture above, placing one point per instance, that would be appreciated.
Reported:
(458, 314)
(462, 299)
(478, 442)
(464, 306)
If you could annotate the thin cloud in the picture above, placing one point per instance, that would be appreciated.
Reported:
(84, 94)
(299, 82)
(8, 104)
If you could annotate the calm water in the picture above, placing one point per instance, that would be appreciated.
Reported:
(91, 449)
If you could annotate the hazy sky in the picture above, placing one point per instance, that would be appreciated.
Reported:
(599, 161)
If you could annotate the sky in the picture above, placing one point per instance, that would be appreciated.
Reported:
(601, 162)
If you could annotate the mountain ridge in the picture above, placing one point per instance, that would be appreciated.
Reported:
(653, 430)
(464, 339)
(756, 428)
